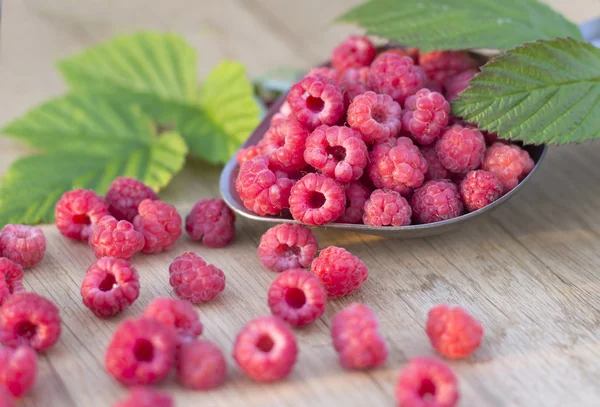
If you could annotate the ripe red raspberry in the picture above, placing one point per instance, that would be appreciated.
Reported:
(435, 170)
(116, 239)
(125, 195)
(426, 113)
(413, 53)
(440, 65)
(265, 349)
(387, 208)
(25, 245)
(460, 149)
(77, 212)
(284, 145)
(317, 199)
(508, 162)
(427, 382)
(354, 82)
(29, 319)
(457, 83)
(262, 190)
(316, 100)
(397, 164)
(436, 201)
(324, 71)
(177, 314)
(396, 76)
(356, 196)
(211, 221)
(18, 368)
(141, 352)
(453, 332)
(246, 154)
(110, 286)
(145, 397)
(11, 278)
(354, 52)
(6, 399)
(340, 271)
(356, 338)
(194, 280)
(479, 189)
(160, 223)
(375, 117)
(284, 112)
(287, 246)
(201, 365)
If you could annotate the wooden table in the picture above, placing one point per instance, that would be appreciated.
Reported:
(529, 272)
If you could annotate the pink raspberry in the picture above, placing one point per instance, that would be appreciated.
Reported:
(338, 152)
(340, 271)
(433, 86)
(11, 278)
(413, 53)
(77, 212)
(426, 113)
(284, 145)
(125, 195)
(427, 382)
(160, 223)
(324, 71)
(246, 154)
(457, 83)
(30, 320)
(211, 221)
(460, 149)
(479, 189)
(284, 112)
(262, 190)
(110, 286)
(194, 280)
(354, 52)
(317, 199)
(356, 338)
(141, 352)
(435, 170)
(436, 201)
(25, 245)
(375, 117)
(316, 100)
(453, 332)
(385, 208)
(287, 246)
(396, 76)
(115, 239)
(509, 163)
(145, 397)
(356, 196)
(201, 365)
(18, 368)
(440, 65)
(265, 349)
(354, 82)
(397, 164)
(6, 399)
(177, 314)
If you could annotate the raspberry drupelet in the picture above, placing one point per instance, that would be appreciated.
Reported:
(78, 211)
(317, 200)
(356, 196)
(201, 365)
(115, 238)
(426, 382)
(375, 117)
(435, 170)
(354, 52)
(284, 145)
(160, 223)
(110, 286)
(316, 100)
(340, 271)
(141, 352)
(441, 65)
(387, 208)
(194, 280)
(6, 399)
(287, 246)
(396, 75)
(354, 82)
(453, 332)
(479, 189)
(265, 349)
(125, 195)
(18, 369)
(177, 314)
(145, 397)
(284, 112)
(436, 201)
(11, 279)
(425, 114)
(338, 152)
(248, 153)
(212, 222)
(25, 245)
(457, 83)
(508, 162)
(413, 53)
(460, 149)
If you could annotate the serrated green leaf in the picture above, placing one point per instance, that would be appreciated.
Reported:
(461, 24)
(542, 92)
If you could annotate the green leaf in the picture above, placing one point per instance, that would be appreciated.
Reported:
(461, 24)
(542, 92)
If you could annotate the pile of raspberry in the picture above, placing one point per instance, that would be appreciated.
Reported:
(371, 139)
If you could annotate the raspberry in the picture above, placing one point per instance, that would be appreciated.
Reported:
(284, 112)
(211, 221)
(6, 399)
(460, 149)
(397, 164)
(453, 332)
(457, 83)
(265, 349)
(324, 71)
(18, 368)
(201, 365)
(194, 280)
(297, 296)
(284, 145)
(110, 286)
(385, 208)
(354, 52)
(11, 278)
(356, 196)
(246, 154)
(479, 189)
(375, 117)
(440, 65)
(145, 397)
(141, 352)
(509, 163)
(354, 82)
(426, 382)
(287, 246)
(77, 212)
(356, 338)
(426, 114)
(435, 169)
(25, 245)
(338, 152)
(115, 239)
(263, 191)
(316, 200)
(316, 100)
(29, 319)
(125, 195)
(436, 201)
(340, 271)
(160, 223)
(433, 86)
(178, 314)
(396, 76)
(413, 53)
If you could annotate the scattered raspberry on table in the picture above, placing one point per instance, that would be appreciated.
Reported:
(194, 280)
(145, 397)
(177, 314)
(287, 246)
(18, 369)
(201, 365)
(340, 271)
(453, 332)
(78, 211)
(426, 382)
(212, 222)
(125, 195)
(25, 245)
(115, 238)
(160, 223)
(11, 278)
